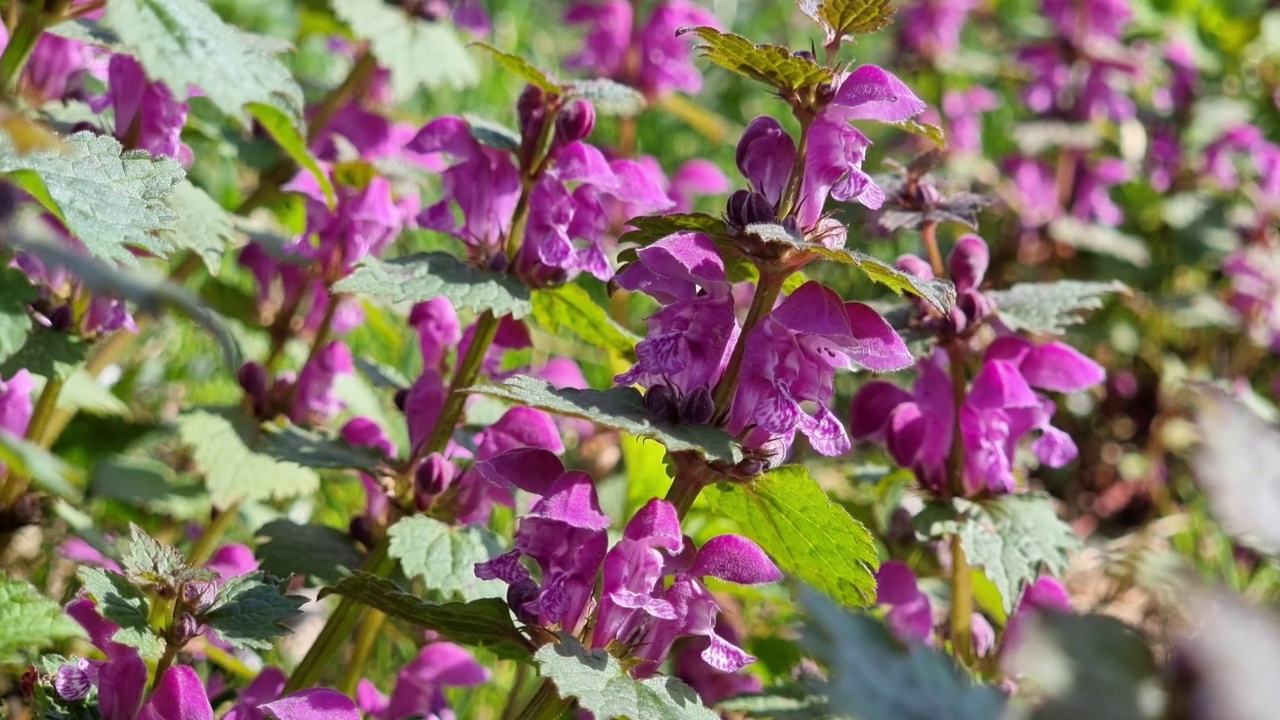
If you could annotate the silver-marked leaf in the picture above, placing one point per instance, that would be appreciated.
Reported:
(202, 225)
(420, 54)
(107, 196)
(226, 444)
(444, 556)
(424, 276)
(185, 44)
(620, 408)
(1012, 538)
(1050, 307)
(602, 686)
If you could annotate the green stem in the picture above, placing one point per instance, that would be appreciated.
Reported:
(170, 654)
(768, 288)
(338, 628)
(212, 534)
(929, 231)
(961, 603)
(546, 704)
(463, 377)
(21, 43)
(370, 631)
(691, 477)
(15, 483)
(791, 192)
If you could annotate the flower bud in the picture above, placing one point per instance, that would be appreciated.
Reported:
(8, 200)
(750, 467)
(253, 379)
(661, 402)
(73, 680)
(532, 112)
(199, 594)
(698, 407)
(498, 262)
(575, 121)
(520, 594)
(361, 530)
(62, 318)
(805, 55)
(433, 476)
(915, 265)
(399, 398)
(826, 93)
(927, 196)
(185, 628)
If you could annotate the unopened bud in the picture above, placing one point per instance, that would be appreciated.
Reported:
(519, 595)
(199, 594)
(8, 200)
(927, 195)
(62, 318)
(532, 112)
(661, 402)
(826, 93)
(750, 467)
(72, 681)
(253, 379)
(185, 628)
(698, 407)
(498, 262)
(433, 477)
(575, 122)
(361, 530)
(735, 210)
(805, 54)
(400, 397)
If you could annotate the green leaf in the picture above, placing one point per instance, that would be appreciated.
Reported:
(485, 623)
(29, 620)
(149, 291)
(1050, 307)
(1011, 537)
(107, 196)
(48, 471)
(444, 556)
(15, 324)
(48, 353)
(311, 448)
(620, 408)
(420, 54)
(570, 307)
(1102, 239)
(227, 445)
(873, 677)
(520, 67)
(149, 483)
(149, 561)
(203, 226)
(250, 610)
(424, 276)
(185, 44)
(770, 64)
(788, 514)
(121, 602)
(787, 702)
(608, 97)
(603, 687)
(843, 18)
(1090, 666)
(492, 134)
(288, 133)
(318, 552)
(648, 229)
(83, 392)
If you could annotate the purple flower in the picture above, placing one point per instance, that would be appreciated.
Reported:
(690, 339)
(1086, 20)
(365, 220)
(519, 427)
(436, 322)
(260, 700)
(147, 116)
(1164, 159)
(15, 403)
(633, 570)
(651, 58)
(932, 27)
(484, 184)
(315, 401)
(1035, 191)
(791, 358)
(910, 614)
(563, 532)
(964, 109)
(419, 685)
(1184, 77)
(967, 265)
(727, 557)
(1255, 292)
(1045, 594)
(55, 69)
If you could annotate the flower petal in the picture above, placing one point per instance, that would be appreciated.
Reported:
(179, 696)
(877, 345)
(533, 470)
(872, 93)
(736, 559)
(313, 704)
(1059, 367)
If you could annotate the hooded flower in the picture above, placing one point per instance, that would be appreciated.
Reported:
(147, 116)
(932, 27)
(315, 400)
(963, 109)
(367, 217)
(1001, 407)
(55, 69)
(791, 358)
(564, 533)
(967, 266)
(419, 688)
(651, 58)
(690, 338)
(1044, 595)
(910, 614)
(15, 403)
(713, 685)
(260, 700)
